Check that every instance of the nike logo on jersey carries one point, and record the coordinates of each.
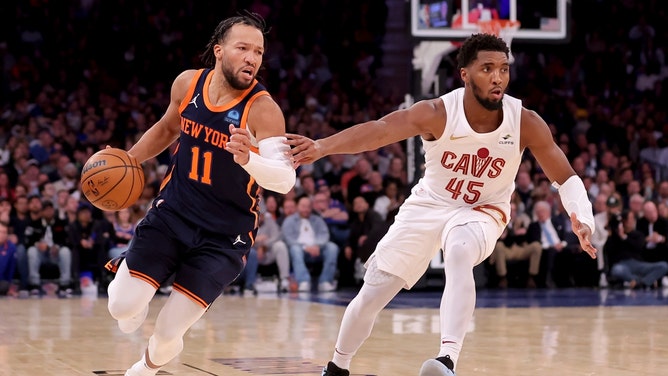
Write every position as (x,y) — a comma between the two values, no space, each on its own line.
(194,101)
(453,137)
(238,241)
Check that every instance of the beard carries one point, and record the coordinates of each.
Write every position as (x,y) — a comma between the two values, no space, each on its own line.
(233,81)
(486,103)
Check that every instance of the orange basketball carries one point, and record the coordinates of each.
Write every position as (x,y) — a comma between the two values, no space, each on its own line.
(112,180)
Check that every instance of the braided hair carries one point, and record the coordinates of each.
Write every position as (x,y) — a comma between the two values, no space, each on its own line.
(246,18)
(468,52)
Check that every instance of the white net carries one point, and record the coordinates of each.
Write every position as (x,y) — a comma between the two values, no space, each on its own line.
(505,29)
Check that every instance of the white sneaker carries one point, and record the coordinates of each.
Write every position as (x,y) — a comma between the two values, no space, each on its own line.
(141,369)
(442,366)
(132,324)
(664,282)
(284,285)
(304,286)
(326,287)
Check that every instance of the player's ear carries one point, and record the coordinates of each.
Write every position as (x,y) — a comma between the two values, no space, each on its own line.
(217,51)
(463,74)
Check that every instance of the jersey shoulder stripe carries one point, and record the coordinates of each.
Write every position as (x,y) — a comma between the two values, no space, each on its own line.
(191,89)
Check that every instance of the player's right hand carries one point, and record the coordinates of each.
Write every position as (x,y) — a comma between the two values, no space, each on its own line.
(239,144)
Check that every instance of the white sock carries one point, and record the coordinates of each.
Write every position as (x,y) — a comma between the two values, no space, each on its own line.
(452,349)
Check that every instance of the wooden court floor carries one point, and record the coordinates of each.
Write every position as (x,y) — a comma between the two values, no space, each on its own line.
(620,334)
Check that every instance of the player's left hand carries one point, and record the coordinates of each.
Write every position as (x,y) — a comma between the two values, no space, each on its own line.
(239,144)
(304,150)
(583,233)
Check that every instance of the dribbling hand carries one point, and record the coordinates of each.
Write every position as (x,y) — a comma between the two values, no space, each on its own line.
(583,233)
(304,150)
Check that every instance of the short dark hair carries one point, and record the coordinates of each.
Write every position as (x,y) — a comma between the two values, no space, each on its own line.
(468,52)
(245,18)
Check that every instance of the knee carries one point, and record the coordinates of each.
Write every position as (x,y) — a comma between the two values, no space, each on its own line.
(617,270)
(120,309)
(331,250)
(279,248)
(296,252)
(32,252)
(664,266)
(64,252)
(460,254)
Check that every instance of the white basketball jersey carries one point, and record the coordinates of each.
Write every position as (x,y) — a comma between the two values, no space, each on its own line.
(466,168)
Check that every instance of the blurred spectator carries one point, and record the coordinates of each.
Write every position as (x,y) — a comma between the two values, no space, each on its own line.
(397,172)
(550,232)
(624,247)
(655,230)
(7,190)
(374,188)
(306,186)
(333,173)
(307,237)
(86,257)
(366,229)
(604,206)
(69,180)
(387,205)
(334,213)
(635,204)
(7,260)
(524,188)
(46,243)
(268,249)
(271,206)
(5,211)
(288,208)
(124,230)
(513,245)
(361,173)
(18,221)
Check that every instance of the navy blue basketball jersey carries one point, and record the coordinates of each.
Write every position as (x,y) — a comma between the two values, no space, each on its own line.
(203,183)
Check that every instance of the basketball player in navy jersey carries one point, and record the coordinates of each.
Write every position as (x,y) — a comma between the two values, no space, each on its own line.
(473,140)
(231,138)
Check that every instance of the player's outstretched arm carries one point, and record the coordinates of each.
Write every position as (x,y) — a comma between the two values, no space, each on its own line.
(426,118)
(537,137)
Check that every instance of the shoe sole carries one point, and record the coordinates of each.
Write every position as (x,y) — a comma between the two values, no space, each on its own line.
(433,367)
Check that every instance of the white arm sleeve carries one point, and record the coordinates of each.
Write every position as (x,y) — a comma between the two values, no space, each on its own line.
(272,168)
(575,200)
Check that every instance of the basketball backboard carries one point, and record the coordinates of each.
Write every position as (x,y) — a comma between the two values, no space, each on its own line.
(456,19)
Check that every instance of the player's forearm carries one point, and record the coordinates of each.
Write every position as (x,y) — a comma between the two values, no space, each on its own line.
(272,169)
(359,138)
(153,142)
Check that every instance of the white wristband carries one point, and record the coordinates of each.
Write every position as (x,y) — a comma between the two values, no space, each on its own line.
(575,200)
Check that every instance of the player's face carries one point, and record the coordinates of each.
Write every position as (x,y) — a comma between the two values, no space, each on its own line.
(488,78)
(241,55)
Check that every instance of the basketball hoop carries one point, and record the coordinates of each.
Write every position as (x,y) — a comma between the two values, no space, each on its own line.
(505,29)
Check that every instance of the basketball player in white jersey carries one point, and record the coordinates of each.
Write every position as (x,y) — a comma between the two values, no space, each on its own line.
(473,140)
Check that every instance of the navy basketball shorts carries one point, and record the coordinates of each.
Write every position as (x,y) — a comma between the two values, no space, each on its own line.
(202,262)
